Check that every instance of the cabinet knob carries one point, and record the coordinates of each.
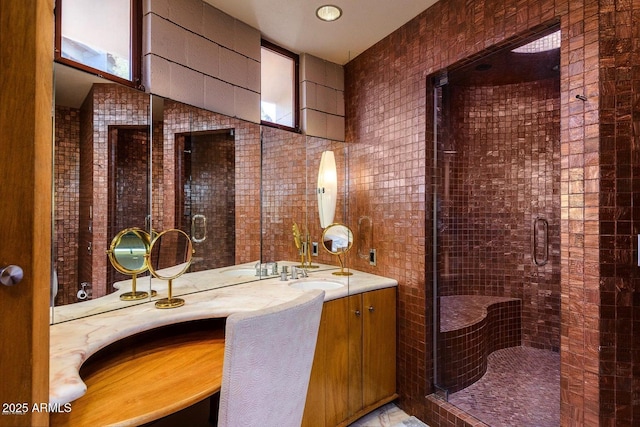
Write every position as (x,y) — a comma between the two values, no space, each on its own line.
(371,309)
(357,313)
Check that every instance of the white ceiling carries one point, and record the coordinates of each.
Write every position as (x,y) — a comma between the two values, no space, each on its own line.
(293,25)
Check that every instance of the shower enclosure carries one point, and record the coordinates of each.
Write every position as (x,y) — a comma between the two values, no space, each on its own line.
(496,227)
(205,202)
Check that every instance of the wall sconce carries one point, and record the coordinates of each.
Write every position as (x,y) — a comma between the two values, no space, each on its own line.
(327,188)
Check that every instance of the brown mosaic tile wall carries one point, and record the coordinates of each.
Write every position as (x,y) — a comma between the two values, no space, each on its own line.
(290,163)
(106,105)
(284,183)
(503,163)
(85,238)
(157,173)
(128,192)
(619,215)
(131,181)
(182,119)
(387,117)
(66,181)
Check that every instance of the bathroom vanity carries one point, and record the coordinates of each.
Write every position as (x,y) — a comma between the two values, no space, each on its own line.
(354,368)
(139,363)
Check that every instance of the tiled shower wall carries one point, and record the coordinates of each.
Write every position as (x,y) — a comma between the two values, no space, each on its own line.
(388,139)
(501,166)
(619,198)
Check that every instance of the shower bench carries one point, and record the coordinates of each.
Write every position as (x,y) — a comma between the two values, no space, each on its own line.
(471,328)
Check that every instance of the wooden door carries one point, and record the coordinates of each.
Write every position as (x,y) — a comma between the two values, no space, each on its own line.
(26,61)
(379,341)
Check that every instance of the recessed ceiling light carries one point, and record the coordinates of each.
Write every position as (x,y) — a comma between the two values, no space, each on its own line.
(328,12)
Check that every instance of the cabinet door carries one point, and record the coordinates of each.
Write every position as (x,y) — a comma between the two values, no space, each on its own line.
(336,361)
(379,338)
(354,385)
(314,409)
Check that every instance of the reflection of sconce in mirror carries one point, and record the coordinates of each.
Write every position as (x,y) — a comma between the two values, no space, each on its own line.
(169,258)
(128,255)
(338,239)
(327,188)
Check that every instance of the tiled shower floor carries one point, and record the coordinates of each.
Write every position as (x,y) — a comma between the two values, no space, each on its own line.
(520,388)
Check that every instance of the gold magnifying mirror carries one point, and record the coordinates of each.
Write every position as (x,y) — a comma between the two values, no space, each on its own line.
(170,256)
(128,255)
(338,240)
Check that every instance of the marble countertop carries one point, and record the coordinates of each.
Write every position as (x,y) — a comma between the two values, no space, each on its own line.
(207,294)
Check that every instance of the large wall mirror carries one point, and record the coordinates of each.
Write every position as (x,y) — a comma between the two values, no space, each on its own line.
(102,185)
(125,158)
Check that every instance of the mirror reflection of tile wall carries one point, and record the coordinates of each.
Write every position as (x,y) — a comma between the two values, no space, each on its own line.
(82,168)
(66,208)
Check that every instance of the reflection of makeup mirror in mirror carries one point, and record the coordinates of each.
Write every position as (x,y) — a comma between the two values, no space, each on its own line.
(128,255)
(170,256)
(327,188)
(338,239)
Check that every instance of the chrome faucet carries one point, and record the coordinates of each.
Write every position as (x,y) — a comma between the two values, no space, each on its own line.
(268,269)
(296,270)
(272,268)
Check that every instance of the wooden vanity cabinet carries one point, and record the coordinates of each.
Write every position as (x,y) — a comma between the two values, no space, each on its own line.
(354,369)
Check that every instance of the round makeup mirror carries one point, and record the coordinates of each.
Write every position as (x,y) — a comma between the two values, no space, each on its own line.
(170,256)
(338,240)
(127,254)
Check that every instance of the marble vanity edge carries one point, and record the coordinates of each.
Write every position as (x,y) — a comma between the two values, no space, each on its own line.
(74,341)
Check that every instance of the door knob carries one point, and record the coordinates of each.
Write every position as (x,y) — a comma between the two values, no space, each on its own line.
(11,275)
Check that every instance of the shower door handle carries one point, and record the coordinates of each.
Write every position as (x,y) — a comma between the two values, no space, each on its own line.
(535,240)
(194,220)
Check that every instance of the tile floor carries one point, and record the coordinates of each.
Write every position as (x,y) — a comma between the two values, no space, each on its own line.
(388,416)
(521,388)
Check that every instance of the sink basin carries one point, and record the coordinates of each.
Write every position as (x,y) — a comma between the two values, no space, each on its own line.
(325,285)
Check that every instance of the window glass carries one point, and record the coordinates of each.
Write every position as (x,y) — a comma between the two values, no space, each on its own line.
(97,34)
(278,88)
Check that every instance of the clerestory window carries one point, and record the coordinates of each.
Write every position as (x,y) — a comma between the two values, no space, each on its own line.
(102,37)
(279,87)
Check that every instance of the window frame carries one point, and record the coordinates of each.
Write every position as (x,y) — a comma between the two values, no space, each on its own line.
(296,86)
(135,28)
